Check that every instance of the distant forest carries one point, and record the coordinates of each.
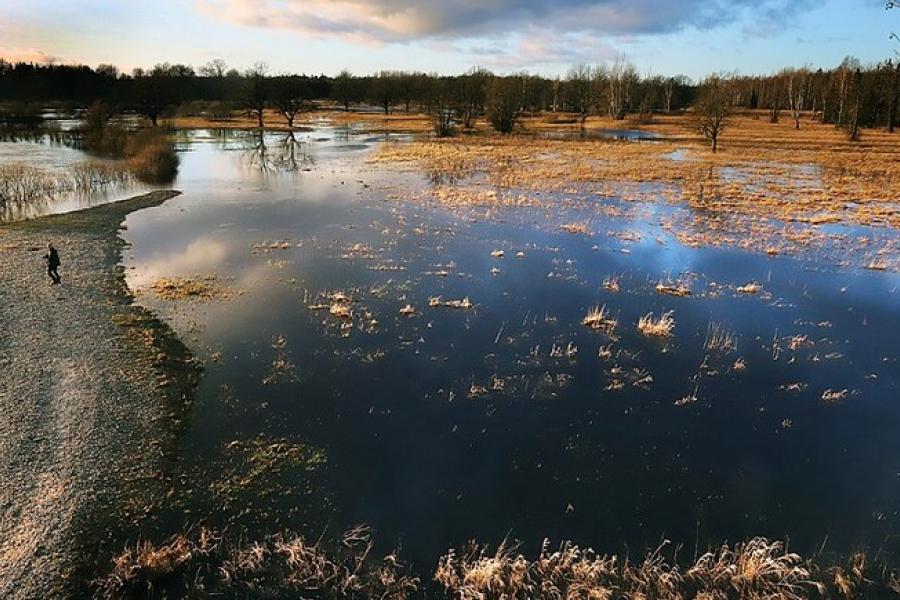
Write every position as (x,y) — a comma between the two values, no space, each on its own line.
(866,94)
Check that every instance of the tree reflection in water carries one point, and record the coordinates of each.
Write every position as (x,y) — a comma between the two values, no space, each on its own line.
(283,153)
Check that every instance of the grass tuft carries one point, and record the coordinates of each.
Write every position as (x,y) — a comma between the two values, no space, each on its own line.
(657,327)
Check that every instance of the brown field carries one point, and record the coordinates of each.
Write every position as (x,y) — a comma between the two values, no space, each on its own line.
(769,188)
(813,175)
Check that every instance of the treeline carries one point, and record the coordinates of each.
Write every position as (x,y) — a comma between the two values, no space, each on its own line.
(851,95)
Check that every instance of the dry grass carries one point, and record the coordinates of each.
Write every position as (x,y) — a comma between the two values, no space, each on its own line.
(340,310)
(677,289)
(661,326)
(831,396)
(20,183)
(463,304)
(770,189)
(598,318)
(150,156)
(719,339)
(200,563)
(611,284)
(282,369)
(756,570)
(581,227)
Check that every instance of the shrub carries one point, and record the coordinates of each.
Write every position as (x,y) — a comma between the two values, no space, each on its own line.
(219,111)
(151,157)
(108,140)
(504,102)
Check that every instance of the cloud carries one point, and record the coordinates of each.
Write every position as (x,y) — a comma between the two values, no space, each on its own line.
(532,49)
(391,21)
(29,55)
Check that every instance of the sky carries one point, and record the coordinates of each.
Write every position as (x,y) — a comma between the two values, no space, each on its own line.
(668,37)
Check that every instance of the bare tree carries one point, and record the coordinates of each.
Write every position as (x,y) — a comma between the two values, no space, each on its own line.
(668,92)
(579,92)
(288,98)
(844,76)
(440,100)
(713,108)
(384,90)
(214,68)
(774,91)
(622,78)
(345,89)
(557,86)
(410,87)
(893,95)
(600,86)
(505,96)
(470,95)
(854,105)
(158,90)
(256,93)
(797,83)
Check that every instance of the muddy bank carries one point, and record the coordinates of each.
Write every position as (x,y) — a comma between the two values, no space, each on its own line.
(92,393)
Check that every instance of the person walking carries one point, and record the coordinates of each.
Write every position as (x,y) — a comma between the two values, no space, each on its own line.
(53,262)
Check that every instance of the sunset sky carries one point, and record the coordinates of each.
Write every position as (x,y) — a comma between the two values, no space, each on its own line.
(693,37)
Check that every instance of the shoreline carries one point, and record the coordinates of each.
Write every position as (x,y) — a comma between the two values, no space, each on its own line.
(94,390)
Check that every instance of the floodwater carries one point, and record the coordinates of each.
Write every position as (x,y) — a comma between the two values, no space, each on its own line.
(605,133)
(510,418)
(57,156)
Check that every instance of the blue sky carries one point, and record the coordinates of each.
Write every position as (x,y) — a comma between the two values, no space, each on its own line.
(693,37)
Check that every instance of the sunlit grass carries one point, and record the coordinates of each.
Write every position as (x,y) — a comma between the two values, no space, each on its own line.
(661,326)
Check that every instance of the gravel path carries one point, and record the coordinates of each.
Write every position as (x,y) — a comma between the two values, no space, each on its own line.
(89,386)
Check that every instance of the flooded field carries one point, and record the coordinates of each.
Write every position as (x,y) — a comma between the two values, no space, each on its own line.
(559,366)
(478,372)
(69,178)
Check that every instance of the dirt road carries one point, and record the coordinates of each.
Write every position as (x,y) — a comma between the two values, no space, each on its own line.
(88,386)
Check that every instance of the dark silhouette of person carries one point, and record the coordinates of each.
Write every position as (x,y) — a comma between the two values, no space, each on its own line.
(53,262)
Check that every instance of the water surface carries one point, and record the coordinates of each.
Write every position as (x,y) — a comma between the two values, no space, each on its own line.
(510,418)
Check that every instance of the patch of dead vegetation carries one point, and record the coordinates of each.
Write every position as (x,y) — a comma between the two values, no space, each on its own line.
(200,288)
(770,190)
(599,319)
(202,563)
(661,326)
(753,570)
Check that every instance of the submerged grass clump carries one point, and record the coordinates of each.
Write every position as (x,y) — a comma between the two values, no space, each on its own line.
(831,396)
(719,339)
(463,304)
(611,284)
(598,318)
(576,227)
(679,290)
(189,288)
(661,326)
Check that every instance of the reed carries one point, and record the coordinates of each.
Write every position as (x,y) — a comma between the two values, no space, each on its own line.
(661,326)
(203,563)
